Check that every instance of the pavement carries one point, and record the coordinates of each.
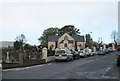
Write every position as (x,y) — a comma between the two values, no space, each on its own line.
(94,67)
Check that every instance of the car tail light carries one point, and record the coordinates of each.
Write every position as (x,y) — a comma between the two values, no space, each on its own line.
(64,55)
(56,55)
(60,55)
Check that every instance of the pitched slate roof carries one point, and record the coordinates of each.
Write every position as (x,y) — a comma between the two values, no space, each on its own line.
(77,38)
(70,41)
(53,38)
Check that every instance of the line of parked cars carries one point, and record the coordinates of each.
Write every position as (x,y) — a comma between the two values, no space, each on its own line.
(85,52)
(70,55)
(102,51)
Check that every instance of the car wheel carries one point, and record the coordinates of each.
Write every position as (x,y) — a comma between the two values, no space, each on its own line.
(118,64)
(85,56)
(75,57)
(72,59)
(56,60)
(68,59)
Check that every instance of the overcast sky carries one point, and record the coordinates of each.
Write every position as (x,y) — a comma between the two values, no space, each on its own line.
(32,17)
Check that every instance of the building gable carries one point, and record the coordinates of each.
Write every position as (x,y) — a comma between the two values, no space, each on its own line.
(64,37)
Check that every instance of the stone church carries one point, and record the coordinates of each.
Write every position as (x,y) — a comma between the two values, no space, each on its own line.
(66,42)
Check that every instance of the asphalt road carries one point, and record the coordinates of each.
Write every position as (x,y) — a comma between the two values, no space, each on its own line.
(95,67)
(0,72)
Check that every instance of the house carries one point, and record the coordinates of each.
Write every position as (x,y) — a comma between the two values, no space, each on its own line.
(66,42)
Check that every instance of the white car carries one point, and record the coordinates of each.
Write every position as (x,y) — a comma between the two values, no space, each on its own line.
(63,55)
(82,53)
(90,52)
(101,52)
(87,51)
(107,50)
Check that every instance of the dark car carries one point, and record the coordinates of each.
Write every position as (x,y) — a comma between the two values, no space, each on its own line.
(76,55)
(118,55)
(118,59)
(118,48)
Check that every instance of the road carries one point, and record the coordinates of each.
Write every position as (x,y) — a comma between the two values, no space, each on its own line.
(0,72)
(95,67)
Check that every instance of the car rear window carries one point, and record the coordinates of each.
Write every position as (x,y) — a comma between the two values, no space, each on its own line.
(60,51)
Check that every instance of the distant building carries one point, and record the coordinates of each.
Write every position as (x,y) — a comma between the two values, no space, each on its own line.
(66,42)
(6,43)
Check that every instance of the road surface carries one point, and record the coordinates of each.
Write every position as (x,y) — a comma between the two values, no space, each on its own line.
(95,67)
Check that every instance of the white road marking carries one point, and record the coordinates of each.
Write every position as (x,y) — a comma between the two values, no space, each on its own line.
(17,69)
(108,68)
(49,64)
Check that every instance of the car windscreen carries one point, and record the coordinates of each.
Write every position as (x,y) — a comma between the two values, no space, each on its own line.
(60,51)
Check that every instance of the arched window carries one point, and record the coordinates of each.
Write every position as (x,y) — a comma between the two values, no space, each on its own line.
(65,45)
(65,38)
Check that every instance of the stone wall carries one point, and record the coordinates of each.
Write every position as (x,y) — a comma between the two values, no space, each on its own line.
(50,59)
(30,62)
(9,65)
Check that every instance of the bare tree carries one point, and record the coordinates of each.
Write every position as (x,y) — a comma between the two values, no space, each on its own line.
(114,36)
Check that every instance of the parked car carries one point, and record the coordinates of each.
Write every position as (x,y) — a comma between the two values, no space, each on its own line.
(76,55)
(110,49)
(63,55)
(90,52)
(101,52)
(118,59)
(87,51)
(107,50)
(82,53)
(118,55)
(118,48)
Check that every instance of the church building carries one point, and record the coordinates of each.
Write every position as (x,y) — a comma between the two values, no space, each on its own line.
(66,42)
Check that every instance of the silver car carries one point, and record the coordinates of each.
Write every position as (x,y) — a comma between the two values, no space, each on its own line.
(101,52)
(87,51)
(63,55)
(82,53)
